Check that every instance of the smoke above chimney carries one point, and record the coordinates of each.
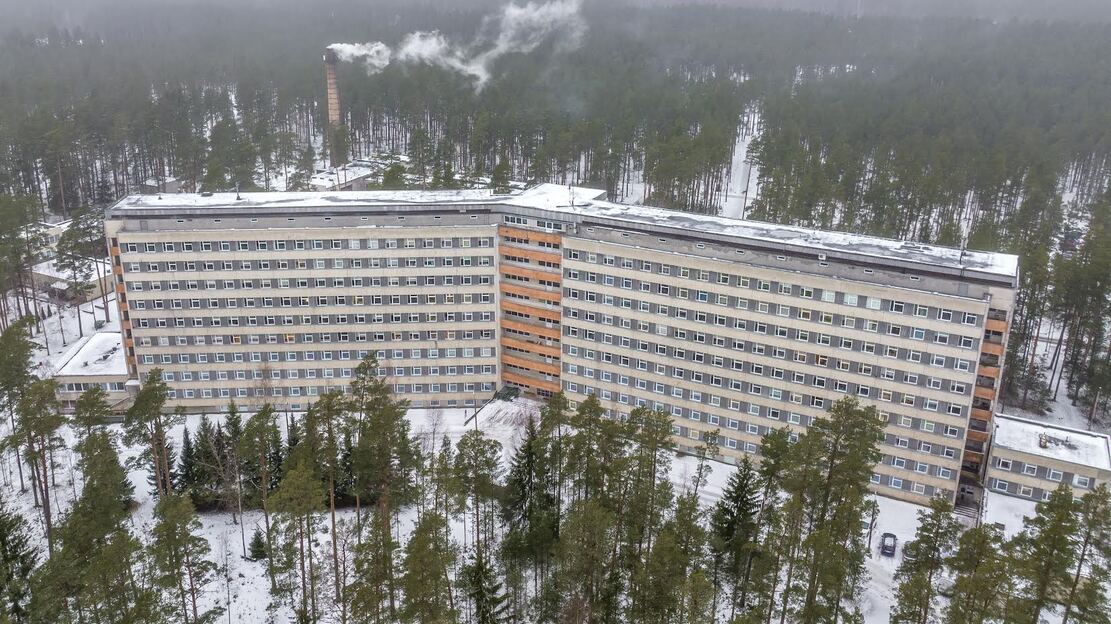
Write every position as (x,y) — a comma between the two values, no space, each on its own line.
(516,29)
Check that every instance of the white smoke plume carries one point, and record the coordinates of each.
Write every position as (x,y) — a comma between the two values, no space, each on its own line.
(374,55)
(517,29)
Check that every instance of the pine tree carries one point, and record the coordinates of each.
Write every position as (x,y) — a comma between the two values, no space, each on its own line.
(1088,596)
(734,532)
(258,548)
(477,468)
(260,446)
(575,587)
(553,421)
(425,582)
(146,424)
(327,419)
(303,170)
(370,592)
(18,557)
(480,580)
(38,418)
(94,571)
(179,556)
(90,410)
(499,178)
(385,458)
(1045,555)
(831,466)
(528,506)
(983,578)
(918,575)
(297,501)
(187,473)
(393,178)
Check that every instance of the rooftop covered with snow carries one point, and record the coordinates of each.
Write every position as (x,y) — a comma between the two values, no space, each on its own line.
(579,205)
(102,354)
(1053,441)
(336,176)
(49,268)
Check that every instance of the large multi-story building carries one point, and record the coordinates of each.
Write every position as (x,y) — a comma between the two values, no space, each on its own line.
(731,326)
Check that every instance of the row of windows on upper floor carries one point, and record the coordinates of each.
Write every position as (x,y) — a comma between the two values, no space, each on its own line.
(921,489)
(435,336)
(848,299)
(1042,472)
(681,387)
(758,430)
(306,320)
(766,353)
(225,303)
(1026,491)
(317,282)
(670,371)
(427,262)
(816,321)
(518,240)
(291,321)
(311,391)
(750,407)
(171,376)
(542,224)
(311,244)
(383,355)
(110,386)
(727,338)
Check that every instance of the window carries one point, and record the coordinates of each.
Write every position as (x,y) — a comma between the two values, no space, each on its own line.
(1003,464)
(1081,481)
(1029,469)
(1055,475)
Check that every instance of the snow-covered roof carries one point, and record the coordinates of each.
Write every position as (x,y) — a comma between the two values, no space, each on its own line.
(1075,446)
(330,178)
(101,355)
(49,269)
(580,205)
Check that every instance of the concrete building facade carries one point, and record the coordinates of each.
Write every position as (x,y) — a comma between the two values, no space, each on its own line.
(731,326)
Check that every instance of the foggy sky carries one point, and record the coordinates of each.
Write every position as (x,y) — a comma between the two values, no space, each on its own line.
(41,14)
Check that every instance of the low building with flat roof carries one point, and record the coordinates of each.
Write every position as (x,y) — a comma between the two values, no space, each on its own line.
(1030,459)
(99,362)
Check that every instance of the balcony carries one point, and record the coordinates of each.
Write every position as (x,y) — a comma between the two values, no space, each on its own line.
(995,326)
(981,414)
(532,327)
(992,348)
(546,367)
(978,436)
(991,361)
(988,371)
(549,349)
(984,393)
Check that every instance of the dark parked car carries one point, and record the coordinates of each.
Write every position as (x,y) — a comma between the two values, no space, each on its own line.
(887,544)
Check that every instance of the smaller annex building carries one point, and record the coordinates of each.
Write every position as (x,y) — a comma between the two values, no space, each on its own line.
(99,362)
(1030,459)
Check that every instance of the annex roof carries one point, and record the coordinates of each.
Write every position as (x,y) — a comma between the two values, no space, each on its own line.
(1053,441)
(101,355)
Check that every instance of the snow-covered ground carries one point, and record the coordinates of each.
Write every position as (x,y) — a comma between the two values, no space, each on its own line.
(247,584)
(1061,411)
